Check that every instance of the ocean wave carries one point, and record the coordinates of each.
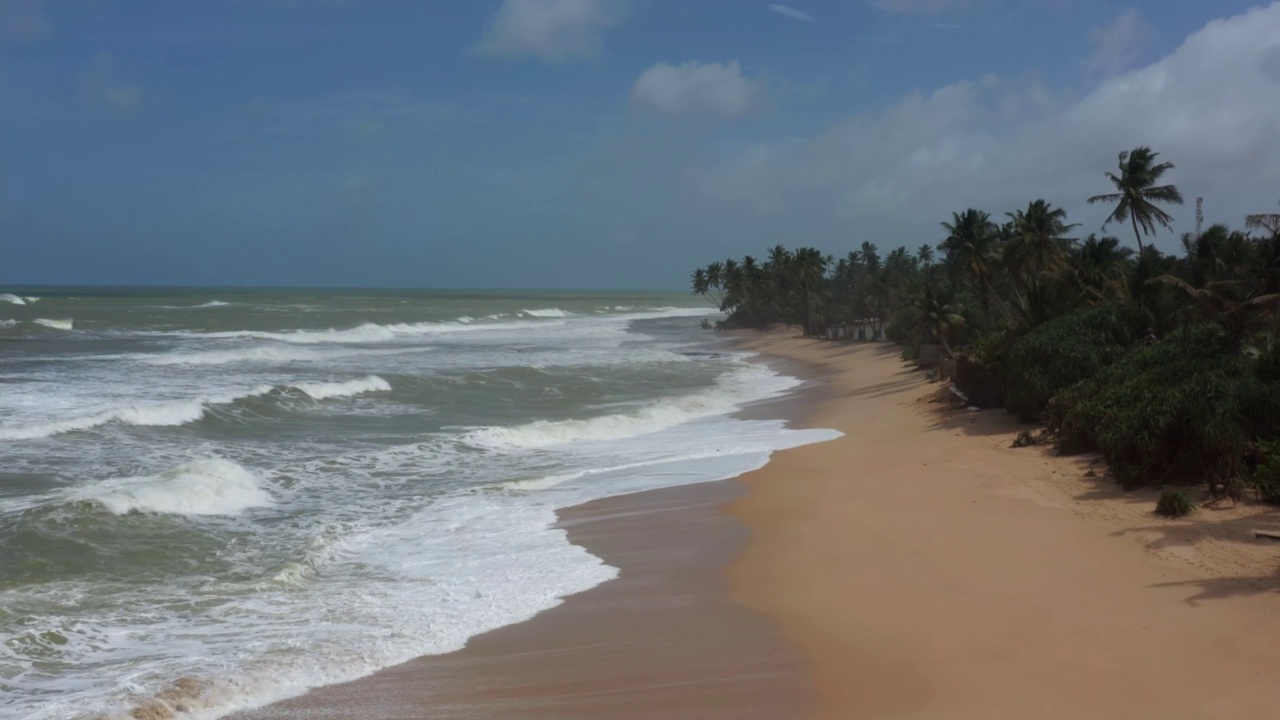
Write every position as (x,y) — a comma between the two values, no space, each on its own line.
(8,323)
(547,313)
(11,298)
(324,391)
(368,333)
(210,304)
(727,396)
(55,324)
(181,412)
(211,486)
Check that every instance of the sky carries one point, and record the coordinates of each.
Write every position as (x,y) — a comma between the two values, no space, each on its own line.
(594,143)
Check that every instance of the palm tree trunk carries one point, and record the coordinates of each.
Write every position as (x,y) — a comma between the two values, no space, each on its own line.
(992,291)
(1134,219)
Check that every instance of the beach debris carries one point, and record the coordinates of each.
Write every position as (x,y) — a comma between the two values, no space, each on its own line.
(1266,535)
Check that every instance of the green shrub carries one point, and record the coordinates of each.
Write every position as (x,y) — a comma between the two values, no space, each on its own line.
(1174,504)
(1187,409)
(1266,472)
(1063,352)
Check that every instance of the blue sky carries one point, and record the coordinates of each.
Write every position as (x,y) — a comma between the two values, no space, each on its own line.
(592,143)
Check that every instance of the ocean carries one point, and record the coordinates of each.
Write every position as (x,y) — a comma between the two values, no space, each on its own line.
(211,499)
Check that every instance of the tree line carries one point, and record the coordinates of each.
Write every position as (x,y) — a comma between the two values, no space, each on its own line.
(1166,363)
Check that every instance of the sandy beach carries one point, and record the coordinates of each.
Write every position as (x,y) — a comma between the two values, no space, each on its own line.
(929,570)
(918,567)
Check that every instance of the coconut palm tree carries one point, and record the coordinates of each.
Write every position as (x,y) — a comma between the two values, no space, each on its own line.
(1229,303)
(1036,244)
(1137,193)
(1098,262)
(939,318)
(925,255)
(1266,223)
(970,247)
(810,271)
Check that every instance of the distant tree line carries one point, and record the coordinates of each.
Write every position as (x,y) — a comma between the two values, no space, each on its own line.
(1167,364)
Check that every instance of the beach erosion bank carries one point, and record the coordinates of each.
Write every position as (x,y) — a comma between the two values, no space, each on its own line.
(917,567)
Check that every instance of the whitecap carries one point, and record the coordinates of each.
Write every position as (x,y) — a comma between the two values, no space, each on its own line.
(211,486)
(55,324)
(11,298)
(547,313)
(326,390)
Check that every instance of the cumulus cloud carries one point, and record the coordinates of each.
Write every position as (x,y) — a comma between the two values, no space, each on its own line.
(100,90)
(1116,44)
(551,29)
(698,88)
(792,13)
(1212,107)
(23,20)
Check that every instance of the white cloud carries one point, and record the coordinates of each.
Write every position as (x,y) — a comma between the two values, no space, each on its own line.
(551,29)
(1117,44)
(698,88)
(23,20)
(1212,107)
(792,12)
(100,90)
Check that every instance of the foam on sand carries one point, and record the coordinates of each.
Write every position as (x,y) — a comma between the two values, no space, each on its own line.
(209,486)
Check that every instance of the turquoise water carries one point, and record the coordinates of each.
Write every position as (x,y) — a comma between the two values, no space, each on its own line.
(213,498)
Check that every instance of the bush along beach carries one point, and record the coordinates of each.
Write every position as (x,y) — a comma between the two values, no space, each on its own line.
(1167,364)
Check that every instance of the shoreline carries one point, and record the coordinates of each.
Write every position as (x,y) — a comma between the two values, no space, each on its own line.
(917,567)
(624,648)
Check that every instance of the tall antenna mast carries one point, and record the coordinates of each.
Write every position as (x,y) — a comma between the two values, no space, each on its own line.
(1199,215)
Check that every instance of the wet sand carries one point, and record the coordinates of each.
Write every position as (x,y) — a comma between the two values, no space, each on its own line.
(664,640)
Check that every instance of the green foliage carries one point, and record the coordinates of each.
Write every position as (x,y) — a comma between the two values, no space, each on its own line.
(1174,504)
(1063,352)
(1186,409)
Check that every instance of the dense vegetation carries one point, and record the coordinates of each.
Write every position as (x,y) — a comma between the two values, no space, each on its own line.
(1167,364)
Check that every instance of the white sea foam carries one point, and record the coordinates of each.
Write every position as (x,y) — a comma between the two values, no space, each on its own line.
(181,412)
(547,313)
(11,298)
(31,299)
(55,324)
(368,333)
(750,383)
(211,486)
(8,323)
(326,390)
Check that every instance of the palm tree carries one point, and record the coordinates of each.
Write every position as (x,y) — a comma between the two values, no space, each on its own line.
(925,255)
(1098,262)
(939,318)
(1036,245)
(970,246)
(1137,193)
(810,269)
(1268,223)
(1227,302)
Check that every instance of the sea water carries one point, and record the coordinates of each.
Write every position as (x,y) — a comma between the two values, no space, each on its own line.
(212,499)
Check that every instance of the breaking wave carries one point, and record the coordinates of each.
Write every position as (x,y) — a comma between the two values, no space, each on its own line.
(11,298)
(726,397)
(203,487)
(181,412)
(55,324)
(547,313)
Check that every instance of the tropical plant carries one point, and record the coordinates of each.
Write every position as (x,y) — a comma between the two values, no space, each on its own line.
(1137,193)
